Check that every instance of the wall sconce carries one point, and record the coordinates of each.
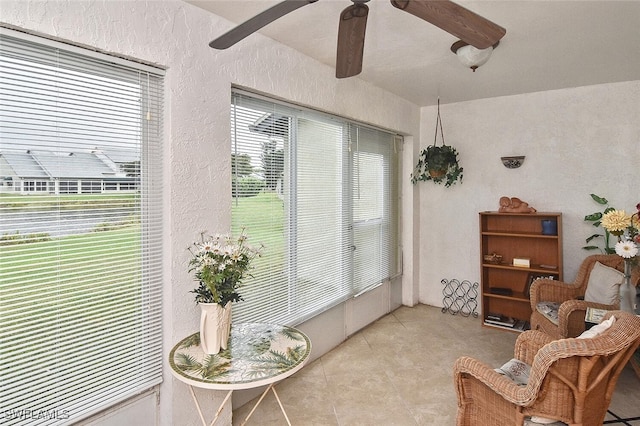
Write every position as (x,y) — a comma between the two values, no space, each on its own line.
(512,162)
(470,56)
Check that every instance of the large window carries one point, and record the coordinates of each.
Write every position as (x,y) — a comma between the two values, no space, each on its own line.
(320,193)
(80,281)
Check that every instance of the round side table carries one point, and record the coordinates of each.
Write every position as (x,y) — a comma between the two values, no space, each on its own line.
(257,354)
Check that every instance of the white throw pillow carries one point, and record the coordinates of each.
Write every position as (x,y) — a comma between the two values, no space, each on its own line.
(604,285)
(598,329)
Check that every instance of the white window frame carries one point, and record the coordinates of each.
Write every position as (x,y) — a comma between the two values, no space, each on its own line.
(349,263)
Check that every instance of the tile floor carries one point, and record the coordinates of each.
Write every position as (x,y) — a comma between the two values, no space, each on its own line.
(398,371)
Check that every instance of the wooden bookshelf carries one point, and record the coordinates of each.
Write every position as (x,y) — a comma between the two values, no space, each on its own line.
(516,235)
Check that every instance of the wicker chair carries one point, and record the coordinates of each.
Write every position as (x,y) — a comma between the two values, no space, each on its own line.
(572,310)
(571,380)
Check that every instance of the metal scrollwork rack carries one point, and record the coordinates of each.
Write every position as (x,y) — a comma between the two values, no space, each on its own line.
(460,297)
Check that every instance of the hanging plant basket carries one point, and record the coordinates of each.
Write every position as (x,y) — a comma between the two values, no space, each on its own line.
(437,173)
(438,163)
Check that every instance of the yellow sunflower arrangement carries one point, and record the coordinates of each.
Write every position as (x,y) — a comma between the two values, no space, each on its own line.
(627,228)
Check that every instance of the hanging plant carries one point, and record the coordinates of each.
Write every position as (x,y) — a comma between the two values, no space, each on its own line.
(438,163)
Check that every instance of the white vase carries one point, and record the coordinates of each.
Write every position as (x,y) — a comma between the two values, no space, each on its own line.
(215,327)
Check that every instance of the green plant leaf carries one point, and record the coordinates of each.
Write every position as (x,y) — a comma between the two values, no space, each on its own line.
(596,219)
(593,216)
(592,237)
(599,200)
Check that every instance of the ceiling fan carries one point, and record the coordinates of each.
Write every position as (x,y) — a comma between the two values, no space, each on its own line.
(468,26)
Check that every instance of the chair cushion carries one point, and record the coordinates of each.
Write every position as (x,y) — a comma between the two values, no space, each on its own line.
(597,329)
(519,371)
(535,420)
(549,310)
(516,370)
(604,285)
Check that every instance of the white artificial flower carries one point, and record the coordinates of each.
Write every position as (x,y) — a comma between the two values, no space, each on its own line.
(205,246)
(626,249)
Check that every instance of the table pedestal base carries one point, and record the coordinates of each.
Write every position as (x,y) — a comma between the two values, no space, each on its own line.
(271,387)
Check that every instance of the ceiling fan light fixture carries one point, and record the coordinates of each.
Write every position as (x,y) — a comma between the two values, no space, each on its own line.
(470,56)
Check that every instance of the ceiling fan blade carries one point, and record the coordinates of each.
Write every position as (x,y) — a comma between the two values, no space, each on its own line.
(455,19)
(247,28)
(351,32)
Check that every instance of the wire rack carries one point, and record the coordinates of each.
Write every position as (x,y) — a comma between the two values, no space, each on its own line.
(460,297)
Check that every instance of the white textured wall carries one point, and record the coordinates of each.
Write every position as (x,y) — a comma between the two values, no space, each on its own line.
(576,141)
(198,81)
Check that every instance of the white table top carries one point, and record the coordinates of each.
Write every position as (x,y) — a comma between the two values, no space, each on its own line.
(257,354)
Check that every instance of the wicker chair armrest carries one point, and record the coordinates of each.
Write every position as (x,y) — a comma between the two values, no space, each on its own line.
(529,343)
(571,316)
(483,374)
(546,290)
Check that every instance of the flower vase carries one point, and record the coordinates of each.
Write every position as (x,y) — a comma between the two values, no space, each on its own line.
(215,327)
(627,290)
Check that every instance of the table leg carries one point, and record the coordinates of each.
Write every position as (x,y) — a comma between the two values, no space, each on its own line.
(257,403)
(226,398)
(215,419)
(271,387)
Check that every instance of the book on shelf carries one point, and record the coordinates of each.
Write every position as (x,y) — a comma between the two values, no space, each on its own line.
(517,325)
(494,316)
(522,325)
(503,321)
(501,291)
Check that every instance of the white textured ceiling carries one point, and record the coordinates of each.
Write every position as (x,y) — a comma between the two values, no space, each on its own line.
(549,45)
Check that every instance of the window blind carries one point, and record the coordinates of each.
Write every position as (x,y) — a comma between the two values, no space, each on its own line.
(320,193)
(80,230)
(374,198)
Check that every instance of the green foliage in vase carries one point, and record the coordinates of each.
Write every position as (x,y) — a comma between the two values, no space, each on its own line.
(220,263)
(596,219)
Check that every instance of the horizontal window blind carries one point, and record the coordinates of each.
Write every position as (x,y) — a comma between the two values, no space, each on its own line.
(80,230)
(374,198)
(319,193)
